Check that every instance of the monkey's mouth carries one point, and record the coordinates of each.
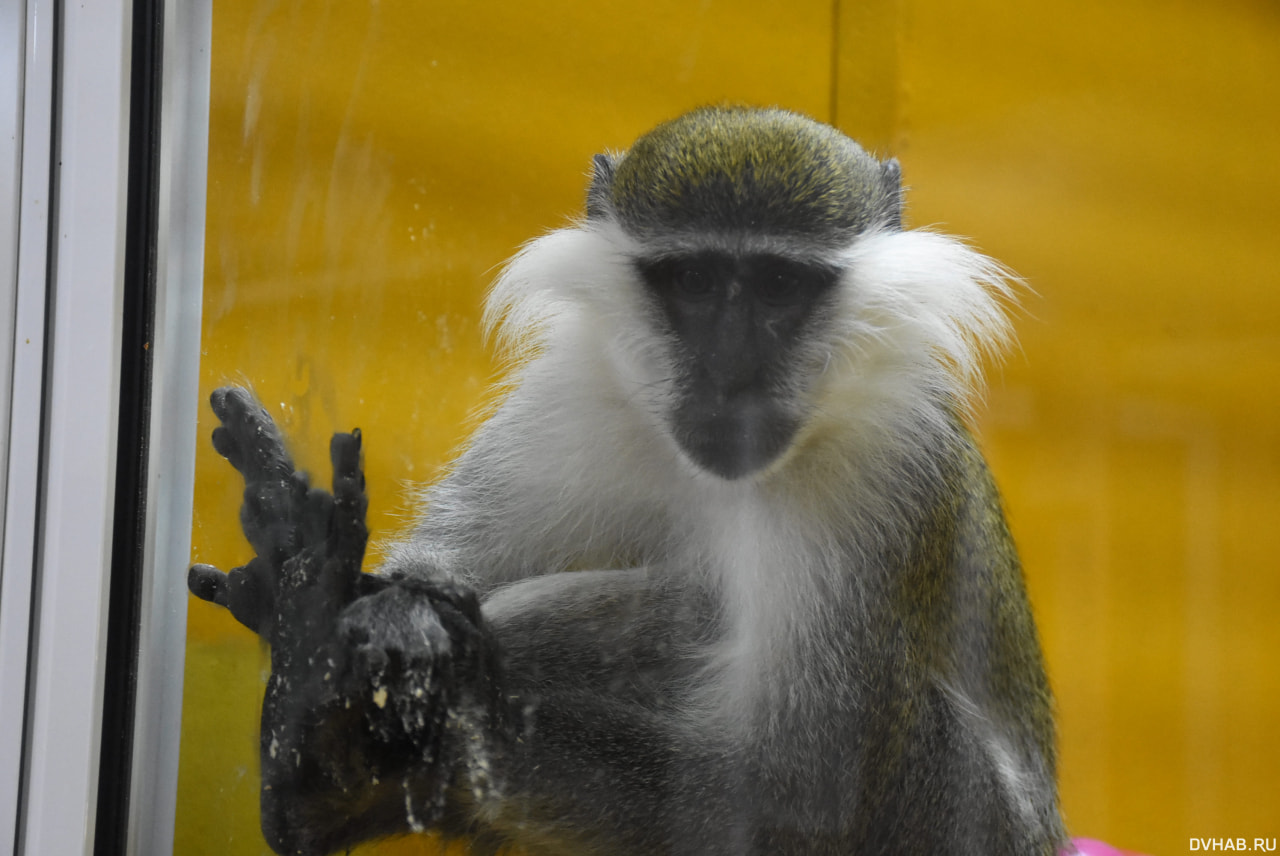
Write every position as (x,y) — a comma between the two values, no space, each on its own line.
(736,438)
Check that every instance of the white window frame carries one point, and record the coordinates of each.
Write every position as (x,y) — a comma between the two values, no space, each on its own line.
(64,125)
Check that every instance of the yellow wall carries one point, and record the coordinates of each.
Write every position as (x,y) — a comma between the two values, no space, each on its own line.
(371,163)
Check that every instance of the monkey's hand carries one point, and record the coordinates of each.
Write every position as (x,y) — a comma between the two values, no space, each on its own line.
(373,679)
(309,544)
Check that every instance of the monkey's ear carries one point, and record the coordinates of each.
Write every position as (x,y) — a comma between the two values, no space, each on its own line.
(600,193)
(891,182)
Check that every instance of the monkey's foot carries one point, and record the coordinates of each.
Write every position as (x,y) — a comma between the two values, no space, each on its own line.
(369,734)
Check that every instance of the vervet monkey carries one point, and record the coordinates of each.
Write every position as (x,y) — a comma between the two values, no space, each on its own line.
(724,572)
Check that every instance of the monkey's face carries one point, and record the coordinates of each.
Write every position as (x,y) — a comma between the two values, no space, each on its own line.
(737,322)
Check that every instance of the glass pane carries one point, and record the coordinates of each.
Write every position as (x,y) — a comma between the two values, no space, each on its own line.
(370,166)
(1137,463)
(373,164)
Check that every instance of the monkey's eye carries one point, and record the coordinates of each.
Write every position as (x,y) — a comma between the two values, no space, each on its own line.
(780,287)
(692,283)
(779,282)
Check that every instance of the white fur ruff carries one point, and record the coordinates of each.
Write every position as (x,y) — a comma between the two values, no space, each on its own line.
(896,360)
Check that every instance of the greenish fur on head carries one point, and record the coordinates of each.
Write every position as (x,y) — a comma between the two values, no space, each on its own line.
(742,170)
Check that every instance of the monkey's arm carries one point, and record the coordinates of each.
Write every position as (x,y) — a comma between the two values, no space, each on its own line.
(388,709)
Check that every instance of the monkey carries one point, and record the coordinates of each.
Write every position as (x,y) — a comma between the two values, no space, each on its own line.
(724,572)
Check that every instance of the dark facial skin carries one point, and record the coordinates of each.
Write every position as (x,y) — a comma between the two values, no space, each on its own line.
(737,321)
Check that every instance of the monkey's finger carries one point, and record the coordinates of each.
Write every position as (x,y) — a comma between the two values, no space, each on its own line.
(344,455)
(251,595)
(248,437)
(255,458)
(241,591)
(335,585)
(208,583)
(271,515)
(350,502)
(462,600)
(316,515)
(473,658)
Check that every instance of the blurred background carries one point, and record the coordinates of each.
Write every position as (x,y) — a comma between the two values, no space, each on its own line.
(372,163)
